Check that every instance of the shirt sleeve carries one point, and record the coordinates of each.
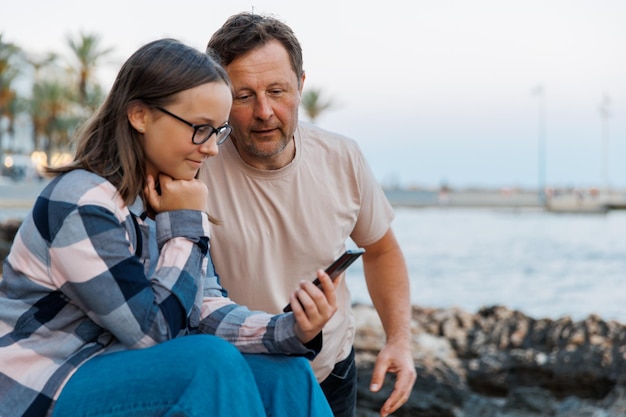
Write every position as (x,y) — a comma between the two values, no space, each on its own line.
(250,331)
(376,213)
(254,331)
(92,259)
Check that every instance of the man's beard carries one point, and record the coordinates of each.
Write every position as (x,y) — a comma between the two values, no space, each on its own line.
(252,147)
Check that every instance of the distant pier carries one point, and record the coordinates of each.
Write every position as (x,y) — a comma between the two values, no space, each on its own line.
(557,201)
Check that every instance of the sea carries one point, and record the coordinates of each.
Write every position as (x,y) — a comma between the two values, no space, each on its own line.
(546,265)
(543,264)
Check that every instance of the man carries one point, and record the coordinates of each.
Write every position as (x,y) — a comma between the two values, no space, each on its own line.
(290,195)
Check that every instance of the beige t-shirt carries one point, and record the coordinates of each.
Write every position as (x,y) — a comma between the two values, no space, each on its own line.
(280,226)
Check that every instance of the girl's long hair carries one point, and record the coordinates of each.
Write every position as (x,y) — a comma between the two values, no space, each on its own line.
(107,144)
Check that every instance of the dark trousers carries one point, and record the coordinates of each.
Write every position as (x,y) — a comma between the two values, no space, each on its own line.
(340,387)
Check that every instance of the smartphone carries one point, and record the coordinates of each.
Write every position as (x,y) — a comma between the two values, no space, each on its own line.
(337,267)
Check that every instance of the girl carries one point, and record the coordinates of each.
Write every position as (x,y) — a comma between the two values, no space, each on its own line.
(111,268)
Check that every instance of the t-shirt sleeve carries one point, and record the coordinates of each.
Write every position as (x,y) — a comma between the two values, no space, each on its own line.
(375,214)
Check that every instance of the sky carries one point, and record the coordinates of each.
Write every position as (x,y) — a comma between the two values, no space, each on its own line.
(486,93)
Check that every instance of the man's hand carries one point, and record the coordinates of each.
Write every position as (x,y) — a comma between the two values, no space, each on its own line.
(388,284)
(394,357)
(313,307)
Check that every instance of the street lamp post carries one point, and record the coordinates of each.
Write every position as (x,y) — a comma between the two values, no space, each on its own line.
(540,93)
(605,114)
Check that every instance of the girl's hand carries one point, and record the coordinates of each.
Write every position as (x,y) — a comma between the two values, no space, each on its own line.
(313,307)
(176,194)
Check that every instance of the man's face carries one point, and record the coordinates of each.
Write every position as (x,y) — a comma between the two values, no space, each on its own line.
(266,97)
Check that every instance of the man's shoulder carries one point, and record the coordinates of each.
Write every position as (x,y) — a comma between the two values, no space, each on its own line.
(314,134)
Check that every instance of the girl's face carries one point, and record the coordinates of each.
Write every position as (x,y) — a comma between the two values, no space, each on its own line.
(167,140)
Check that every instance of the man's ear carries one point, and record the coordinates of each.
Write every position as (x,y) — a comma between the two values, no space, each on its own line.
(137,114)
(302,82)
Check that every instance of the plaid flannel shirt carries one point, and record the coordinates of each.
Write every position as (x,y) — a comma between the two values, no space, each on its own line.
(80,281)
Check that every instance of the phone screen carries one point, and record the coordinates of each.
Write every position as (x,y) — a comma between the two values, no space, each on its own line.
(337,267)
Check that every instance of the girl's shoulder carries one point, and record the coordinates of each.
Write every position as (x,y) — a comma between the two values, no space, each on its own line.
(80,187)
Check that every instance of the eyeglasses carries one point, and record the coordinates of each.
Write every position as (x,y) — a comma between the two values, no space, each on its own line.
(202,133)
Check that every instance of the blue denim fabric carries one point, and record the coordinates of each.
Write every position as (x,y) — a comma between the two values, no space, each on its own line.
(340,387)
(191,376)
(288,386)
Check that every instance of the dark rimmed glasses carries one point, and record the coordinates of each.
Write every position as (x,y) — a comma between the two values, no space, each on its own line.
(203,132)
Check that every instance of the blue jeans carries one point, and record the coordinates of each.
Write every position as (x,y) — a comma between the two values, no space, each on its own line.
(192,376)
(340,387)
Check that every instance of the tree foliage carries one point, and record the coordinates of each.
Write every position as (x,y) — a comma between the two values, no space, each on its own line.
(314,103)
(61,94)
(88,54)
(9,70)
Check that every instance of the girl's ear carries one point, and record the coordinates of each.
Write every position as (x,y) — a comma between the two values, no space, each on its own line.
(138,116)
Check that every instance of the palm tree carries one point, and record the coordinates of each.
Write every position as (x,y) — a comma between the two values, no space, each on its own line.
(52,113)
(9,54)
(41,62)
(313,103)
(8,99)
(88,53)
(38,63)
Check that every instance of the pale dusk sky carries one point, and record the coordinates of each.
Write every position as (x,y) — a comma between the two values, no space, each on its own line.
(433,91)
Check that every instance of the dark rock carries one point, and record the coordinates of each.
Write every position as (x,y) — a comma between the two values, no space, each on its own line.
(8,229)
(528,401)
(442,392)
(502,363)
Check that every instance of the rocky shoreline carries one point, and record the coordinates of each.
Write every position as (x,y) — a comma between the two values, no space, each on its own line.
(501,363)
(495,362)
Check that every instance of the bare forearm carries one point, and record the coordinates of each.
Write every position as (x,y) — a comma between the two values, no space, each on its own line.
(388,284)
